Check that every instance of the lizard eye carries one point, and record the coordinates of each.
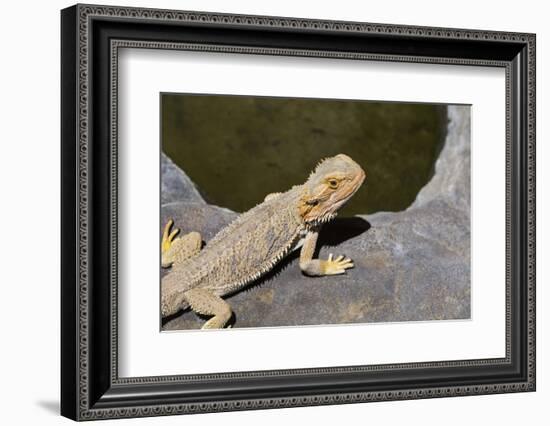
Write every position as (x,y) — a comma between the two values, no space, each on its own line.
(333,183)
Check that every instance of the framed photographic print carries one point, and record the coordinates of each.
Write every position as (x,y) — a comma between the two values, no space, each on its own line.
(263,212)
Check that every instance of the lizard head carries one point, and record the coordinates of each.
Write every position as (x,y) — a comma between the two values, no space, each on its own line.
(329,187)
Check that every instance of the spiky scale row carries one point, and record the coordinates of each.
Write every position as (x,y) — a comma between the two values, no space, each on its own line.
(252,245)
(241,252)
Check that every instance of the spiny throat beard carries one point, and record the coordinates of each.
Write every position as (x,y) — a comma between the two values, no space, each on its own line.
(313,220)
(327,217)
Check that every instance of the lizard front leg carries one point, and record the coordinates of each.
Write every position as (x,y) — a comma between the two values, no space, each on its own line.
(176,249)
(205,302)
(317,267)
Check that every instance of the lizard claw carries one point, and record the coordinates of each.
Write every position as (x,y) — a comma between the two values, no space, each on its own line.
(338,265)
(168,237)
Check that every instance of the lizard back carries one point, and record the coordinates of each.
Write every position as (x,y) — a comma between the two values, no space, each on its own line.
(241,252)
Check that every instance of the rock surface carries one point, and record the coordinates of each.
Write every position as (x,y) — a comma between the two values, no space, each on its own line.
(412,265)
(451,181)
(176,185)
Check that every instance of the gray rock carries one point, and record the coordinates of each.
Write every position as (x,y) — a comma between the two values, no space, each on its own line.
(409,266)
(175,184)
(451,181)
(202,217)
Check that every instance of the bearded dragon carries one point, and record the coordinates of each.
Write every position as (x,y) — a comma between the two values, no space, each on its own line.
(255,242)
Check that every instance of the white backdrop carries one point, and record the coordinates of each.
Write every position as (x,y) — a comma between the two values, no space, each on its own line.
(29,225)
(141,344)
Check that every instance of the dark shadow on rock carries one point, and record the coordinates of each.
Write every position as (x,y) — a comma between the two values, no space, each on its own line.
(342,229)
(169,318)
(232,320)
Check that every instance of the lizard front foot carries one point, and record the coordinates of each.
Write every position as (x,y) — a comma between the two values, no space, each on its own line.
(331,266)
(336,266)
(176,249)
(168,237)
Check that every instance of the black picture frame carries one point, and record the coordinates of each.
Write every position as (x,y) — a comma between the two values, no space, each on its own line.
(90,386)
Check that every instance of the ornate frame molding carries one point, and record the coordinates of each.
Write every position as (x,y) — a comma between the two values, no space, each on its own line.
(91,399)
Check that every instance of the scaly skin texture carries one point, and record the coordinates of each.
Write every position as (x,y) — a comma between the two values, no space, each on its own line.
(255,242)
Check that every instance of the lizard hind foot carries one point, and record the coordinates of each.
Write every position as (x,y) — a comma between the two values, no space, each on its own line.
(205,302)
